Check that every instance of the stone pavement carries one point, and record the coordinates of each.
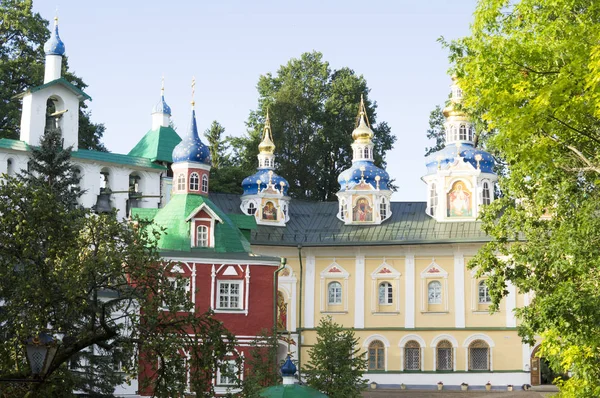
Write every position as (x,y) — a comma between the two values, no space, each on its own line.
(454,394)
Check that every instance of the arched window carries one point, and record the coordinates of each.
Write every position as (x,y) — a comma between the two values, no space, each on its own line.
(383,209)
(471,133)
(433,199)
(181,182)
(444,356)
(202,236)
(251,209)
(463,132)
(479,355)
(386,293)
(194,181)
(376,355)
(486,194)
(434,292)
(204,183)
(343,209)
(334,290)
(366,152)
(484,293)
(10,167)
(412,356)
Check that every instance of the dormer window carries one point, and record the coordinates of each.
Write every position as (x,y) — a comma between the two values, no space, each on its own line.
(486,194)
(366,152)
(463,132)
(204,183)
(201,236)
(251,209)
(383,209)
(181,182)
(433,200)
(194,182)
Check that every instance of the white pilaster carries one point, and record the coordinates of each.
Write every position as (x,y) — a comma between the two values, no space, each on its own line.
(294,305)
(359,292)
(159,119)
(309,296)
(213,276)
(526,353)
(459,290)
(511,303)
(409,288)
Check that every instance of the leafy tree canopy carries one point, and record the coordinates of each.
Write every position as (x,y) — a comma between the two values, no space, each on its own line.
(313,111)
(531,70)
(22,37)
(98,282)
(225,175)
(436,130)
(336,364)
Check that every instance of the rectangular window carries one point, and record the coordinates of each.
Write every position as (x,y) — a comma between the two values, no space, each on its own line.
(479,358)
(228,378)
(412,360)
(176,284)
(444,359)
(230,295)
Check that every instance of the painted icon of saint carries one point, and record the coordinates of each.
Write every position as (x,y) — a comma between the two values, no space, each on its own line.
(459,201)
(362,212)
(269,212)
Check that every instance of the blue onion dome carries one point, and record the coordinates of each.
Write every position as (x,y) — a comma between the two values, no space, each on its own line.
(162,107)
(54,46)
(363,169)
(191,148)
(446,157)
(266,177)
(288,369)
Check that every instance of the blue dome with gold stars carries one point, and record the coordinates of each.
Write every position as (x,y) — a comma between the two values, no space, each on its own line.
(162,107)
(350,178)
(251,187)
(191,148)
(54,46)
(468,153)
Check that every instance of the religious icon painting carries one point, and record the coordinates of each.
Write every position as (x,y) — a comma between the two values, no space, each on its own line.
(459,200)
(362,212)
(269,212)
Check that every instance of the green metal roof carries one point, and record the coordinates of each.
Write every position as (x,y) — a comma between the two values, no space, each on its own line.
(276,261)
(7,143)
(243,221)
(62,81)
(291,391)
(316,224)
(157,145)
(172,217)
(117,158)
(144,214)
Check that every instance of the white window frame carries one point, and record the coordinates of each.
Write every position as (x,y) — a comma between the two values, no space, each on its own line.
(204,183)
(486,292)
(437,298)
(433,199)
(385,273)
(173,282)
(334,273)
(429,274)
(383,209)
(486,194)
(202,231)
(338,295)
(181,182)
(240,295)
(228,382)
(251,210)
(194,181)
(388,296)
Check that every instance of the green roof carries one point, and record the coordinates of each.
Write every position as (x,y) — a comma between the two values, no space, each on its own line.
(172,217)
(243,221)
(144,214)
(291,391)
(7,143)
(118,158)
(157,145)
(62,81)
(316,224)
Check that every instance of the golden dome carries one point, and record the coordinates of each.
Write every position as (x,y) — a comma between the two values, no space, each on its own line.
(362,132)
(267,146)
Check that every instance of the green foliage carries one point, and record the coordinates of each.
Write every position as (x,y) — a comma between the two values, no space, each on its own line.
(225,176)
(436,130)
(98,281)
(336,363)
(22,37)
(529,71)
(313,112)
(214,135)
(261,367)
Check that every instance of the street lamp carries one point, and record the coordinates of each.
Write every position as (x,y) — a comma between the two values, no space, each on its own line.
(41,350)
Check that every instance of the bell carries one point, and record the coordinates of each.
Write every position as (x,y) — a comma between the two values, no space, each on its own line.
(103,203)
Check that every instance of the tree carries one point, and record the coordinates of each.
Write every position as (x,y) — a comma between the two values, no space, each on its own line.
(336,365)
(436,130)
(530,70)
(313,111)
(100,283)
(214,135)
(262,369)
(22,37)
(225,176)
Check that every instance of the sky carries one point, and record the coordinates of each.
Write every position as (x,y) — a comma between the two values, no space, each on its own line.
(122,49)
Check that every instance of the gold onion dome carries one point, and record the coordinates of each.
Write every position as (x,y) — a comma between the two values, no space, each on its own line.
(362,132)
(266,145)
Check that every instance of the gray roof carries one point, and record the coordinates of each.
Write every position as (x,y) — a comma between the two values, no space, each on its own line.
(316,224)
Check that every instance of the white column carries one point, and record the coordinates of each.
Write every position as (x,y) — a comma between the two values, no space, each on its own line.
(511,303)
(52,68)
(459,290)
(409,288)
(309,296)
(526,356)
(293,305)
(213,276)
(359,292)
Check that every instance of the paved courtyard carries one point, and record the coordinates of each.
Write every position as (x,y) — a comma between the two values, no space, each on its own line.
(456,394)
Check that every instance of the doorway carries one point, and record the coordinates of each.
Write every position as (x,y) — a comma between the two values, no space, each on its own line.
(541,372)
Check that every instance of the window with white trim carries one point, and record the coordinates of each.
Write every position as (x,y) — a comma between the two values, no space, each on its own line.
(471,133)
(434,292)
(251,209)
(376,355)
(194,181)
(386,293)
(230,295)
(444,356)
(181,182)
(229,377)
(204,183)
(486,194)
(412,356)
(479,355)
(178,284)
(10,168)
(484,293)
(201,236)
(433,199)
(383,209)
(463,132)
(334,293)
(366,153)
(343,209)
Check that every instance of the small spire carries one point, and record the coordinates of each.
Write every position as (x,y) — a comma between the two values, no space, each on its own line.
(267,146)
(162,86)
(362,112)
(193,92)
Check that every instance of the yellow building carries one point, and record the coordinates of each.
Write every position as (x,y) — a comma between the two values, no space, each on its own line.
(395,272)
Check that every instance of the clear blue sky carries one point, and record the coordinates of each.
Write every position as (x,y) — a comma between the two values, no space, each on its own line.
(122,48)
